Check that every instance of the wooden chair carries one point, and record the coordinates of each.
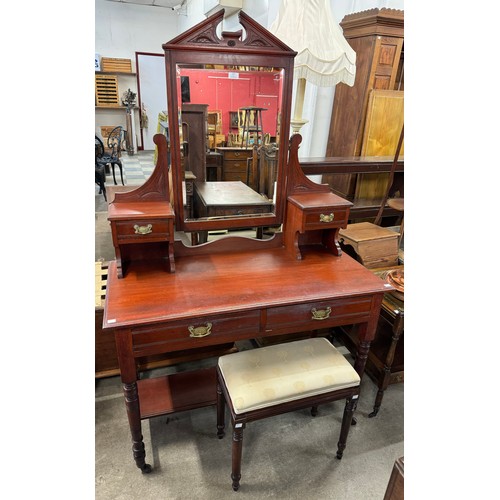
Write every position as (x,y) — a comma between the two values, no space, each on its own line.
(214,127)
(276,379)
(113,154)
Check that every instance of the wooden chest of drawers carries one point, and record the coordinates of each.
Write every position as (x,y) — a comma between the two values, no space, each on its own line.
(234,165)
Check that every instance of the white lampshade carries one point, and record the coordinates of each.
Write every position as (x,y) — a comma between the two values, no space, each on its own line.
(324,58)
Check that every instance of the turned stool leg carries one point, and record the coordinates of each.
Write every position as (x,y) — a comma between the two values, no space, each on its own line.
(220,412)
(237,449)
(350,407)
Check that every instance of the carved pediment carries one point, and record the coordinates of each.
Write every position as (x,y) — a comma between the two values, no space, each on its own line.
(204,34)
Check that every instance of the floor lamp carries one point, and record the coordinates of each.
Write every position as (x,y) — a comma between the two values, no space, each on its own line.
(324,58)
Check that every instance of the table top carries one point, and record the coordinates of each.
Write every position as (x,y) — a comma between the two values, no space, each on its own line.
(136,209)
(234,148)
(232,282)
(228,193)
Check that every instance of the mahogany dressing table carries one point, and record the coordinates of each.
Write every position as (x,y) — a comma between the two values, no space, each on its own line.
(234,288)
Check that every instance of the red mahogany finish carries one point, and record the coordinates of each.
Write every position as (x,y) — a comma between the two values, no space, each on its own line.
(233,288)
(151,312)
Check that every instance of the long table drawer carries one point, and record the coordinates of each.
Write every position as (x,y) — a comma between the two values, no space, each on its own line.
(198,332)
(315,315)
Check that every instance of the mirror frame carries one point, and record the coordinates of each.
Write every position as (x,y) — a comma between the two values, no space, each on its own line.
(202,45)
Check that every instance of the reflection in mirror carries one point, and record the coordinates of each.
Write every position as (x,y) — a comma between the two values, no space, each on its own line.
(233,91)
(229,115)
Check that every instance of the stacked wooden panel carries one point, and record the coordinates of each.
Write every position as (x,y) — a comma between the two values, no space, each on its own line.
(115,65)
(106,90)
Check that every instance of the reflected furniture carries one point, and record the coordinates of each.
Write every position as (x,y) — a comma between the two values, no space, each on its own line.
(234,164)
(214,166)
(223,199)
(278,379)
(195,118)
(250,130)
(214,128)
(234,288)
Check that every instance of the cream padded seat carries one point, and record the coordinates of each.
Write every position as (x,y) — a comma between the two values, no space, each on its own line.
(272,380)
(276,374)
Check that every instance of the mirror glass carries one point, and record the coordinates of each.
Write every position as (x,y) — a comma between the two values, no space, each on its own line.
(229,131)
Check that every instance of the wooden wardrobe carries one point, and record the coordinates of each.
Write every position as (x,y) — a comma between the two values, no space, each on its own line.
(377,36)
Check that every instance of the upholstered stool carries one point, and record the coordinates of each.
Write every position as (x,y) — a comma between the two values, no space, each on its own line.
(280,378)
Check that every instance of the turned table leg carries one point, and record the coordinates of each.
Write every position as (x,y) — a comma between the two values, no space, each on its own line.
(397,330)
(134,420)
(128,373)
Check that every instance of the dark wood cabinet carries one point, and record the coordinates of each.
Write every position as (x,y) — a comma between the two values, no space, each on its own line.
(377,36)
(235,165)
(195,116)
(214,166)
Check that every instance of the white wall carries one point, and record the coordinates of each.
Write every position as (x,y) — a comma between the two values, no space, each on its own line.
(122,29)
(318,101)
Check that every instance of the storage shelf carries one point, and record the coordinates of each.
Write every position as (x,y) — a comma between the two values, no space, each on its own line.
(177,392)
(115,73)
(115,107)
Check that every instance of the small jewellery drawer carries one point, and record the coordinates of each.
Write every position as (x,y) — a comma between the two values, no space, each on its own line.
(315,315)
(143,230)
(196,332)
(321,219)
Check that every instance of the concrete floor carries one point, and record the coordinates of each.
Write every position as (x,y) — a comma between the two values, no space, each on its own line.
(290,456)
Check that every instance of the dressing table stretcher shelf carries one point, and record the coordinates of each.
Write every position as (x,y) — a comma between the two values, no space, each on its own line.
(177,392)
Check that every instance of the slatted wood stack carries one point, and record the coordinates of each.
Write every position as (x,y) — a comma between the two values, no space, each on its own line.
(106,91)
(115,65)
(101,278)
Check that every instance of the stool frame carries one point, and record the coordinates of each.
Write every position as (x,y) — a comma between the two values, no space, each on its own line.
(239,420)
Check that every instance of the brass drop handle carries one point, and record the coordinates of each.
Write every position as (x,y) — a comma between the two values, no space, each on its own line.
(143,229)
(326,218)
(200,331)
(321,313)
